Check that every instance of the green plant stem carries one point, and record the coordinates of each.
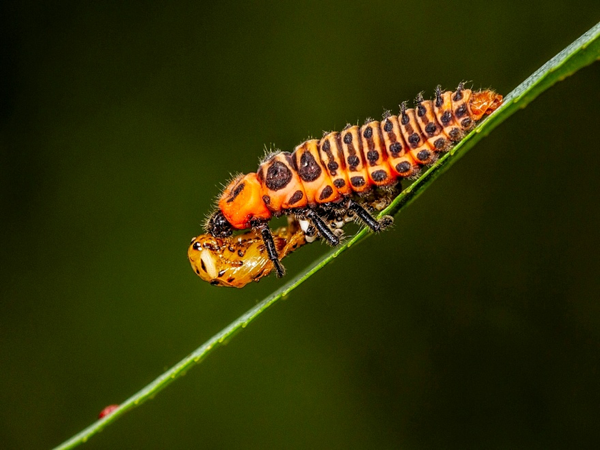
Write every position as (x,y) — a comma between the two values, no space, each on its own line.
(579,54)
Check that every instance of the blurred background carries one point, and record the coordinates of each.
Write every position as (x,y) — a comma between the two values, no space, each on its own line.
(474,323)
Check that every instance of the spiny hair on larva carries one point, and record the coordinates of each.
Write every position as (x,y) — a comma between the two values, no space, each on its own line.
(268,153)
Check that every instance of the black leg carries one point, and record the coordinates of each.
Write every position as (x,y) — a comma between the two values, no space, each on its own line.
(322,227)
(364,216)
(267,238)
(367,218)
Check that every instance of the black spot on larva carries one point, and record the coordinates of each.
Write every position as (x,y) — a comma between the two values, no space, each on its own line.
(446,118)
(421,110)
(389,126)
(405,119)
(379,175)
(368,133)
(326,193)
(230,279)
(458,95)
(395,148)
(423,155)
(348,138)
(202,264)
(430,128)
(309,169)
(240,253)
(439,143)
(403,167)
(221,273)
(231,248)
(326,146)
(461,111)
(353,161)
(278,176)
(239,188)
(197,271)
(296,197)
(266,199)
(454,134)
(197,246)
(215,282)
(466,123)
(357,181)
(414,139)
(333,166)
(339,183)
(372,156)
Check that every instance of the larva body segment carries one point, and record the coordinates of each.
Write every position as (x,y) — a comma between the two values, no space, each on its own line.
(317,184)
(282,188)
(433,131)
(243,201)
(399,160)
(445,115)
(354,158)
(330,151)
(380,173)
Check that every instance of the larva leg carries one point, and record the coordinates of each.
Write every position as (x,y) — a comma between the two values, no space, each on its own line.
(368,219)
(267,238)
(322,228)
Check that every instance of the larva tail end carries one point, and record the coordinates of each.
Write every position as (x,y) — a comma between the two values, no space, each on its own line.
(485,102)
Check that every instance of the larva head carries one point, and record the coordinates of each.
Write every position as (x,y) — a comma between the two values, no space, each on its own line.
(239,204)
(483,103)
(218,226)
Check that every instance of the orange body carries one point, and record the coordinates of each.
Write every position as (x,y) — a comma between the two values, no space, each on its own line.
(399,159)
(419,150)
(356,159)
(241,202)
(316,181)
(330,152)
(281,187)
(444,114)
(380,173)
(431,129)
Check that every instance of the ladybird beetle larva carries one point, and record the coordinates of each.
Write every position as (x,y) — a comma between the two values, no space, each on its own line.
(331,176)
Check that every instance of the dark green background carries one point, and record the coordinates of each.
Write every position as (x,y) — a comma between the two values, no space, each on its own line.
(474,323)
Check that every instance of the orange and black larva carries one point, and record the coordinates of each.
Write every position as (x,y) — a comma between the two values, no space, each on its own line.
(329,176)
